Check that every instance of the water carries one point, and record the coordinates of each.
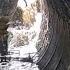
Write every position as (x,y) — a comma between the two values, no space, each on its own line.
(22,44)
(22,40)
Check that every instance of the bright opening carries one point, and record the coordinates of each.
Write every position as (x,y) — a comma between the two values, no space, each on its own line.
(24,30)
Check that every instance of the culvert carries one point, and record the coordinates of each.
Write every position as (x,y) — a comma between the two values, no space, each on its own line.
(54,54)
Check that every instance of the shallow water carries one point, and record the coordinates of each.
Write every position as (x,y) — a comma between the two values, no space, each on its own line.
(25,56)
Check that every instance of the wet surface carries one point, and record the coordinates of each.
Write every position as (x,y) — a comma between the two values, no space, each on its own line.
(17,63)
(22,56)
(22,40)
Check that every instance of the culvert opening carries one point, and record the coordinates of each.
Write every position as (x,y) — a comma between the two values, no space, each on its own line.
(27,29)
(28,24)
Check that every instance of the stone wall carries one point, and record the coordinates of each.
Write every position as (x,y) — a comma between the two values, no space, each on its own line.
(7,8)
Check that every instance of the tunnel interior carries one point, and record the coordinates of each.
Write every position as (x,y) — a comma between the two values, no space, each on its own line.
(54,31)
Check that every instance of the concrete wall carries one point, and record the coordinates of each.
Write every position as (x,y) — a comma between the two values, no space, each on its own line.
(57,55)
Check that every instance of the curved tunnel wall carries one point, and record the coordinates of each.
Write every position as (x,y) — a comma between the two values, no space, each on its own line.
(57,56)
(59,14)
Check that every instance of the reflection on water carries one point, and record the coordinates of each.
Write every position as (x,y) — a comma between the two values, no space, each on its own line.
(22,51)
(22,57)
(18,65)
